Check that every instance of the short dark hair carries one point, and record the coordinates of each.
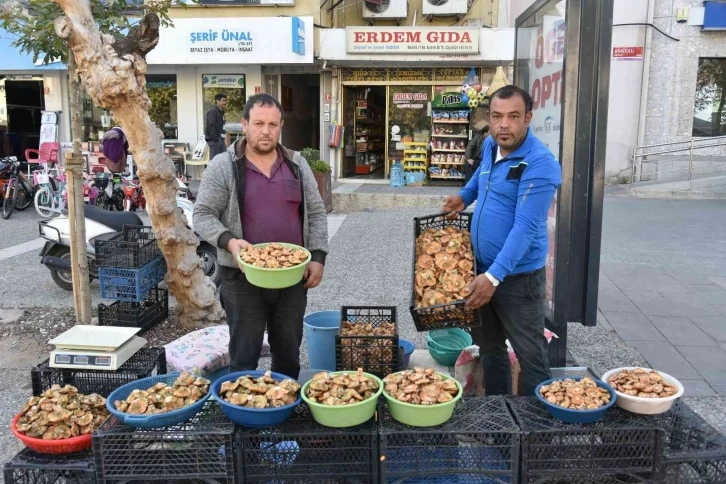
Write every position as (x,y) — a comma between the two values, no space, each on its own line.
(219,97)
(508,92)
(261,100)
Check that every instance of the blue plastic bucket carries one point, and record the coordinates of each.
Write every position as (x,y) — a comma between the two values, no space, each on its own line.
(408,348)
(320,330)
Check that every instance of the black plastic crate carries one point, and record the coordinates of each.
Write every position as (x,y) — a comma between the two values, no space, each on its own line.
(132,248)
(29,467)
(621,443)
(146,362)
(596,479)
(145,315)
(200,449)
(479,444)
(378,355)
(302,451)
(694,452)
(451,315)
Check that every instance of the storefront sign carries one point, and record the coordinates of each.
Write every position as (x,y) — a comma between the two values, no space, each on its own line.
(410,74)
(409,40)
(628,53)
(235,41)
(365,75)
(454,74)
(251,3)
(380,74)
(230,82)
(410,100)
(448,99)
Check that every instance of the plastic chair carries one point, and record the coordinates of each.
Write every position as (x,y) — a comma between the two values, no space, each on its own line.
(48,153)
(200,156)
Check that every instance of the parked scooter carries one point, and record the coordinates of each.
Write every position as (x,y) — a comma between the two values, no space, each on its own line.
(104,225)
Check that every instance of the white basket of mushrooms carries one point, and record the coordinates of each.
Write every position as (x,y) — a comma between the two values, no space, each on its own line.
(643,390)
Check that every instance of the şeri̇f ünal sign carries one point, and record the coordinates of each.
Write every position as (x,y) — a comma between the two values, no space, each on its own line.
(412,40)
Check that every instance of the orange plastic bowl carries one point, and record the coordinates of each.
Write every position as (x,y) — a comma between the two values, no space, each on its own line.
(65,446)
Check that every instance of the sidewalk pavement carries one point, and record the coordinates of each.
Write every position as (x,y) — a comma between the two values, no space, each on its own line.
(663,286)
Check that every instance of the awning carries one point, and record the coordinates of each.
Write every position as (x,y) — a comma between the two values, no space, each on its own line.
(14,60)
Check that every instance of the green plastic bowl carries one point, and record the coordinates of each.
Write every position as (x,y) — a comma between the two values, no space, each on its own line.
(423,415)
(275,278)
(449,339)
(344,415)
(444,357)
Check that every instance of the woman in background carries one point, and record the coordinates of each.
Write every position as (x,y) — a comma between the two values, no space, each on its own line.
(473,149)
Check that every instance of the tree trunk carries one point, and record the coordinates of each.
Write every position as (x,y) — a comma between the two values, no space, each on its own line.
(76,215)
(119,84)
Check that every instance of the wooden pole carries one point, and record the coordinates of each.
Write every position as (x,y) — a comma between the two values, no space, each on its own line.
(76,216)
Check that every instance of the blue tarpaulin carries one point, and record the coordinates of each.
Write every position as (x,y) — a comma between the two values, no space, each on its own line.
(14,60)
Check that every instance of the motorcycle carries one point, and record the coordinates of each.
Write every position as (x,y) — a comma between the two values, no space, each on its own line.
(110,192)
(104,225)
(134,196)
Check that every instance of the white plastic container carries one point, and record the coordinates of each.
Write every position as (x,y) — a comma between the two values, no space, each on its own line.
(640,405)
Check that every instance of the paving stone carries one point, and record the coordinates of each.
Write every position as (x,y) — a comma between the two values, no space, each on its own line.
(661,283)
(10,316)
(712,294)
(720,281)
(665,357)
(610,298)
(710,362)
(713,325)
(633,326)
(720,388)
(683,304)
(681,331)
(690,277)
(696,388)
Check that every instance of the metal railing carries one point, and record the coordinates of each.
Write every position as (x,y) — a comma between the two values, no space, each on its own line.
(641,164)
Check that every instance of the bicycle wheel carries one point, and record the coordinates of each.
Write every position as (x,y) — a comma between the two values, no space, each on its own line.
(44,203)
(9,200)
(25,197)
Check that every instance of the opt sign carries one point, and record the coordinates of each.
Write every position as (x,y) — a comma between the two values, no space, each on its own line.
(627,53)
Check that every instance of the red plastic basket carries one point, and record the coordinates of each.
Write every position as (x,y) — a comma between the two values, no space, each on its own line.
(65,446)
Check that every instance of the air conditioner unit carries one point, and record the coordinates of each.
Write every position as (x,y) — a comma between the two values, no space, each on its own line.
(385,9)
(445,7)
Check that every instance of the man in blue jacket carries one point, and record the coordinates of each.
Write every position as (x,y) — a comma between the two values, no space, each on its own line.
(513,186)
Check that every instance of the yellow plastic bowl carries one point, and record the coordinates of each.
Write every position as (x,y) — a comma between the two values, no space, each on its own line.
(275,278)
(423,415)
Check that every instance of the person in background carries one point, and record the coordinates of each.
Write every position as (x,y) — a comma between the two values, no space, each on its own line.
(473,149)
(116,149)
(213,132)
(513,188)
(259,191)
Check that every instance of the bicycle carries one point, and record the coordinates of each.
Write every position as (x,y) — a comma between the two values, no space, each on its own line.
(49,199)
(110,192)
(19,192)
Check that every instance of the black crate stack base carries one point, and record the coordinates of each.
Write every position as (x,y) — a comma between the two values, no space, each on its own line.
(621,447)
(694,452)
(479,444)
(198,450)
(130,268)
(302,451)
(29,467)
(378,355)
(146,362)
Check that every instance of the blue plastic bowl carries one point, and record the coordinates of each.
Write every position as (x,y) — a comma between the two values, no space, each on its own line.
(408,348)
(576,416)
(152,421)
(255,418)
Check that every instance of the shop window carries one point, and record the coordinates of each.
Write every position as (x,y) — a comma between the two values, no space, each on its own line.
(409,121)
(709,117)
(231,85)
(163,95)
(91,118)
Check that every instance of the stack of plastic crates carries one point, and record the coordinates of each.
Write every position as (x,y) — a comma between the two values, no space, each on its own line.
(479,444)
(29,467)
(301,451)
(378,355)
(130,266)
(693,451)
(199,450)
(621,448)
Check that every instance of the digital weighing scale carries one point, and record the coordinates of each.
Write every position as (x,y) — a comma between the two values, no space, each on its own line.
(86,347)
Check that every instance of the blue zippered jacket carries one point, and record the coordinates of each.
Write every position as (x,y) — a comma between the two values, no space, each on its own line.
(509,225)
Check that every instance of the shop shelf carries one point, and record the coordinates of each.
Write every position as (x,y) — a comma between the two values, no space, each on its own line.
(200,449)
(479,444)
(302,451)
(378,355)
(131,284)
(132,248)
(451,122)
(452,315)
(29,467)
(693,451)
(620,444)
(449,136)
(145,315)
(146,362)
(442,150)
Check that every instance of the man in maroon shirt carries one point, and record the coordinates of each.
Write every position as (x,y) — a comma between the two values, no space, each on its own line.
(258,191)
